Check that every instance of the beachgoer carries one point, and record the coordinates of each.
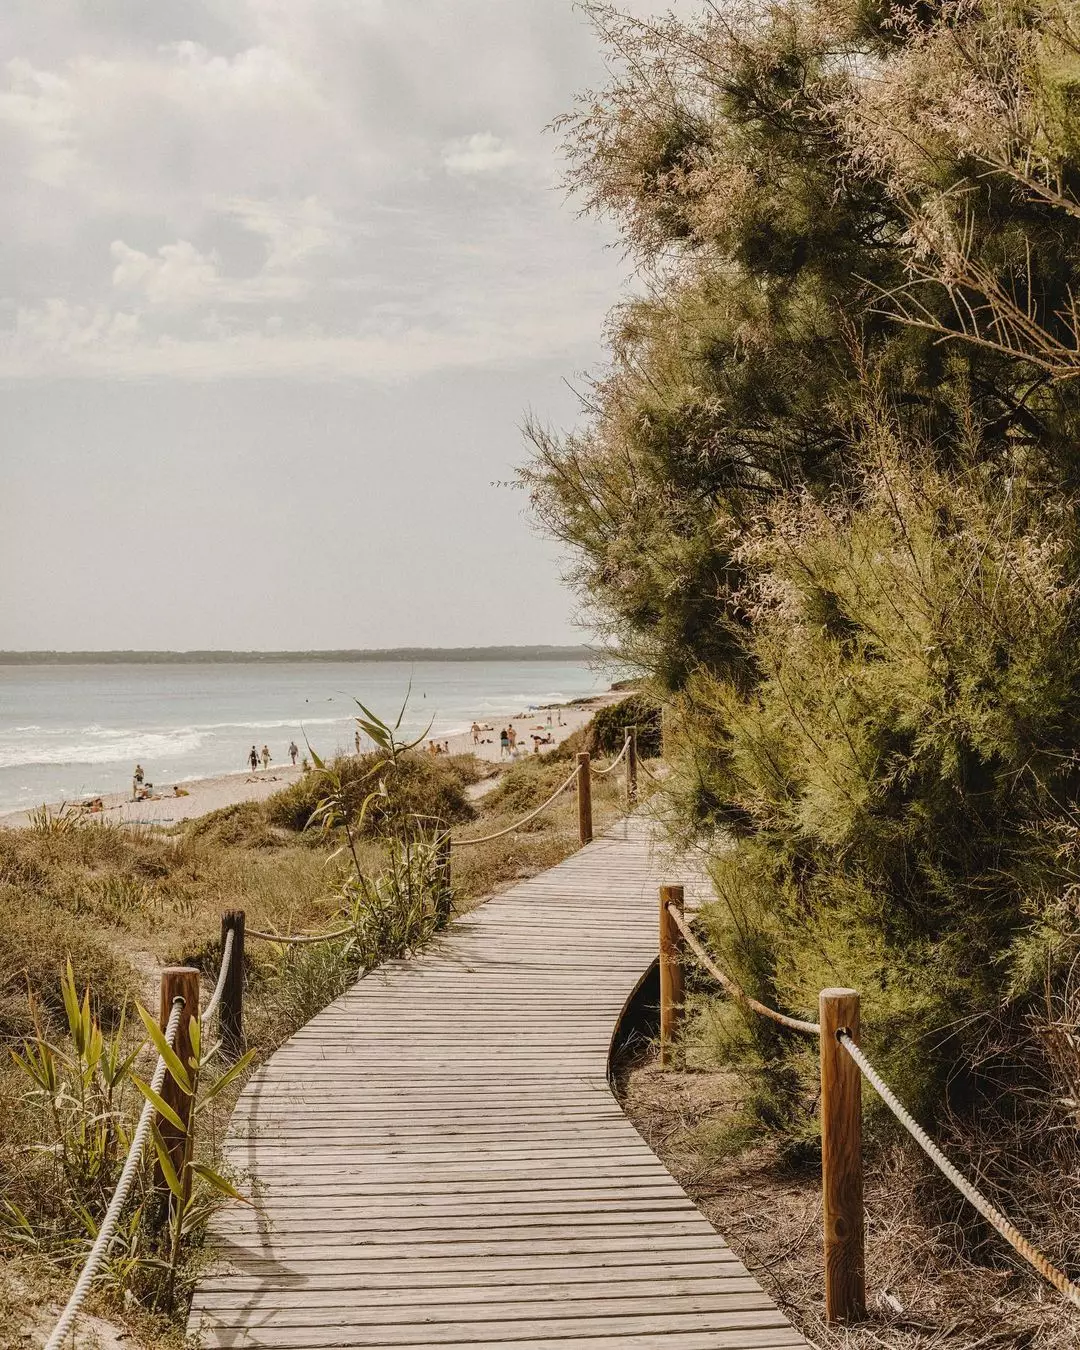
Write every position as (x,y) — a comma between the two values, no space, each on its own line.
(136,781)
(504,743)
(511,731)
(476,733)
(294,750)
(446,747)
(253,758)
(266,756)
(356,740)
(549,717)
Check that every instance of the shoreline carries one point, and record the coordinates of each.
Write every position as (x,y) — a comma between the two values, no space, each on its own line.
(200,796)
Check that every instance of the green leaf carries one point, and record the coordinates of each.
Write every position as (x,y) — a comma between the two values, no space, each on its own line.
(229,1076)
(168,1171)
(158,1103)
(171,1058)
(218,1182)
(195,1037)
(71,1004)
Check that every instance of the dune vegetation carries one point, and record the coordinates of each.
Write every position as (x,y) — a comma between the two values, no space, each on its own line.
(825,495)
(96,910)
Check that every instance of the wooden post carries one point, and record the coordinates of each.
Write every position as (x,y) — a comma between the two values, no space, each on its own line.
(231,1011)
(178,982)
(584,798)
(841,1159)
(444,899)
(631,768)
(671,970)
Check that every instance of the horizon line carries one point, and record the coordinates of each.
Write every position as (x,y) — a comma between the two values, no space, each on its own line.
(151,656)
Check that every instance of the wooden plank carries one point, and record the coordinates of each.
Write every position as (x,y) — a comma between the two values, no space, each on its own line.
(439,1161)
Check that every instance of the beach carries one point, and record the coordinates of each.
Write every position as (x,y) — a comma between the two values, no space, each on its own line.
(202,795)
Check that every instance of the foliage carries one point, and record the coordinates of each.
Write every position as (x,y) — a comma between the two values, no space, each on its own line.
(824,496)
(422,785)
(608,727)
(83,1093)
(526,784)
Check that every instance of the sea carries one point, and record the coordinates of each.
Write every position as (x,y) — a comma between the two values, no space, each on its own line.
(70,731)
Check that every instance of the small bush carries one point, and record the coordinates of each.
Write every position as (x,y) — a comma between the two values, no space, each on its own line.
(242,825)
(526,785)
(34,946)
(605,733)
(420,785)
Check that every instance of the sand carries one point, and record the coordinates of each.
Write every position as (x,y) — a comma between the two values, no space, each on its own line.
(202,795)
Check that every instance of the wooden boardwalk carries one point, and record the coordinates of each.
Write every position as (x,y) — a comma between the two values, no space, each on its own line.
(440,1161)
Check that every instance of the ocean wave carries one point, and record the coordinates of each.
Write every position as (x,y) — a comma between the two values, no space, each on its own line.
(105,748)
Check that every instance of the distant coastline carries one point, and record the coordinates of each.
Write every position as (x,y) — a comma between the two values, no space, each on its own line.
(163,658)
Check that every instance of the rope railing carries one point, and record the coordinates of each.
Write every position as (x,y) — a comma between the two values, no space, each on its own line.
(107,1229)
(841,1119)
(974,1197)
(296,939)
(517,825)
(223,975)
(602,773)
(792,1023)
(136,1149)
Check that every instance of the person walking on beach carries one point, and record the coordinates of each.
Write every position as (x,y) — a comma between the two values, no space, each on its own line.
(137,779)
(476,733)
(294,750)
(504,744)
(266,756)
(511,733)
(253,759)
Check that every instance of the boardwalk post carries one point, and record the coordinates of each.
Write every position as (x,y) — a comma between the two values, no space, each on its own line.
(231,1012)
(631,768)
(671,970)
(177,982)
(584,798)
(841,1159)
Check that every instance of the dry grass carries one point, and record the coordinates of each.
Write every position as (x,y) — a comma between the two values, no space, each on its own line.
(927,1288)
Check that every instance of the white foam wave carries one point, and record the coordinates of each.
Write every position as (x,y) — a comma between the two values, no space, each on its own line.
(104,748)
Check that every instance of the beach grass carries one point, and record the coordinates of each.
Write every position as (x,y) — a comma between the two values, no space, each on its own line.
(121,902)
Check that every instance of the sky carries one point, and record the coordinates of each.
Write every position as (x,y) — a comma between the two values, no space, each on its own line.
(279,282)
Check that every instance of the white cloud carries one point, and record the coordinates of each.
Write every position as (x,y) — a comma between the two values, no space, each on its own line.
(291,230)
(480,153)
(286,180)
(178,275)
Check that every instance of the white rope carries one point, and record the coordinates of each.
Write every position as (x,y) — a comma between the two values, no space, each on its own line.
(219,989)
(487,838)
(123,1187)
(286,940)
(993,1216)
(600,773)
(736,992)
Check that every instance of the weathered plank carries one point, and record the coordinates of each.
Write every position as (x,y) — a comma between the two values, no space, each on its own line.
(438,1159)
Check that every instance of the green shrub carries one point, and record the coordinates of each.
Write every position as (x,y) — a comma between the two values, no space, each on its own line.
(241,825)
(35,944)
(607,730)
(431,787)
(526,785)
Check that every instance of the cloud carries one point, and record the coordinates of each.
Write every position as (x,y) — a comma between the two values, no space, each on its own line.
(178,275)
(271,180)
(479,153)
